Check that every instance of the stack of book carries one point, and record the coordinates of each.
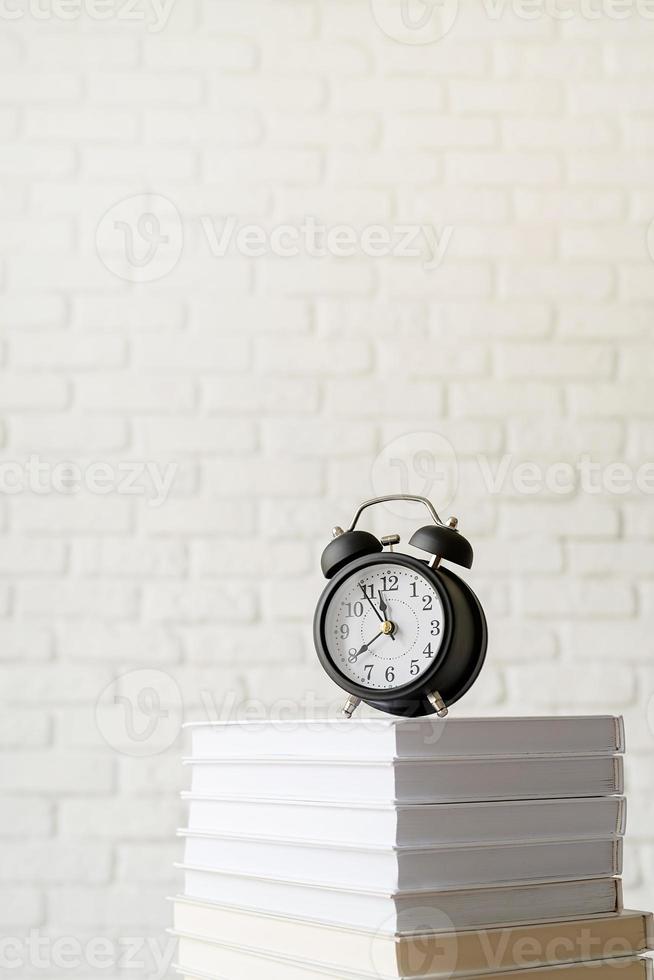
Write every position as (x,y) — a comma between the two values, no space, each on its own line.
(395,848)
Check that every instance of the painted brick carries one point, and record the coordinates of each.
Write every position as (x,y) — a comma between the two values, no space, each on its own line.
(258,477)
(54,774)
(134,819)
(502,167)
(196,435)
(125,88)
(557,684)
(316,438)
(506,97)
(562,598)
(572,518)
(311,356)
(199,602)
(77,599)
(22,641)
(81,514)
(482,398)
(548,360)
(26,815)
(131,393)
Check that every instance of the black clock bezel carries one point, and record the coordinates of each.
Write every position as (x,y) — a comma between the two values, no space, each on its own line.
(367,693)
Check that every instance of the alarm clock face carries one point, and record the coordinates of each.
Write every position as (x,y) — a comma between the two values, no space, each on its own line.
(384,625)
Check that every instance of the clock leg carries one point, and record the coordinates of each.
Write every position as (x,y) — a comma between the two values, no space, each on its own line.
(437,704)
(351,705)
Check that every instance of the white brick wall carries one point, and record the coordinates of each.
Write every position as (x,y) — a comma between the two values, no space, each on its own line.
(269,385)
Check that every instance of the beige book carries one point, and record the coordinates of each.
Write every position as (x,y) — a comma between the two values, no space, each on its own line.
(435,954)
(239,964)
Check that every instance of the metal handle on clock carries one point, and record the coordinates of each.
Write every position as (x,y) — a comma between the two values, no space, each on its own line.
(412,498)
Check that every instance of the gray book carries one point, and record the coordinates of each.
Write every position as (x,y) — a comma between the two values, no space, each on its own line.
(408,781)
(405,869)
(386,824)
(386,911)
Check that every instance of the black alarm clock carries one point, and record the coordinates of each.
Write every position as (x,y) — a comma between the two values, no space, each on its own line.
(403,634)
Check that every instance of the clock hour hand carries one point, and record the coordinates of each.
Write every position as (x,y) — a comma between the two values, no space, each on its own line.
(384,610)
(353,657)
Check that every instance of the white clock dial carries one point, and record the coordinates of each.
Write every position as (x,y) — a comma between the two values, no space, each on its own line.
(384,626)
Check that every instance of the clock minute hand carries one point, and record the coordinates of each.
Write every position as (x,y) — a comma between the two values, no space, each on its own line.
(353,657)
(374,608)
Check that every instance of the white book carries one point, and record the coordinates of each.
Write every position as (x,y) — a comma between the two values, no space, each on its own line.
(454,954)
(419,911)
(385,824)
(405,869)
(387,738)
(405,781)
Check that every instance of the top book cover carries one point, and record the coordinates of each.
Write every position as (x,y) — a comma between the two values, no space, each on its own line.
(389,738)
